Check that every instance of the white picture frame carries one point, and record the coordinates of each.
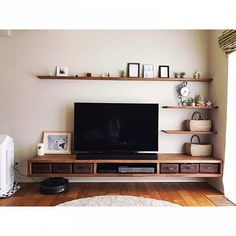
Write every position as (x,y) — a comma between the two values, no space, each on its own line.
(148,71)
(57,142)
(62,71)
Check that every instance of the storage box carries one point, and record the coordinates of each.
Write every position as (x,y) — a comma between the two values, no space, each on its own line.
(209,168)
(83,168)
(189,168)
(62,168)
(169,168)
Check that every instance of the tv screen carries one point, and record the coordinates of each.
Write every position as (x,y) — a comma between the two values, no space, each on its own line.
(110,127)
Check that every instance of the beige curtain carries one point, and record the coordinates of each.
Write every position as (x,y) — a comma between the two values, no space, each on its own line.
(227,41)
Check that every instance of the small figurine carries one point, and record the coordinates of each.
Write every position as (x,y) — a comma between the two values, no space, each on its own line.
(177,75)
(182,74)
(88,74)
(200,101)
(197,75)
(108,74)
(209,104)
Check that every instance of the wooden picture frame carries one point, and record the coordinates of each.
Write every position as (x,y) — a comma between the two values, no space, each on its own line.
(57,142)
(163,71)
(133,70)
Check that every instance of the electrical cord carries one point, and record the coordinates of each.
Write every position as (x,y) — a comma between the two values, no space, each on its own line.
(35,180)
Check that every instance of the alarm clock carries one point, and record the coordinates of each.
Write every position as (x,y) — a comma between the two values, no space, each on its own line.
(183,91)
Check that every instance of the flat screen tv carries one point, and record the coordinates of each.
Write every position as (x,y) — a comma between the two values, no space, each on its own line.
(115,127)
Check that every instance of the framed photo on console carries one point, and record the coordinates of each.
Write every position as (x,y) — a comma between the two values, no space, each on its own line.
(133,70)
(163,72)
(57,142)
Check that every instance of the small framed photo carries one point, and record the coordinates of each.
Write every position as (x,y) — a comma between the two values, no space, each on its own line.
(148,71)
(133,70)
(163,72)
(62,71)
(57,142)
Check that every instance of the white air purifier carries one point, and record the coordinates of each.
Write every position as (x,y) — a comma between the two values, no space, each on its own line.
(7,185)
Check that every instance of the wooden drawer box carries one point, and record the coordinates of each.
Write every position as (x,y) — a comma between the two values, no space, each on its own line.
(169,168)
(209,168)
(62,168)
(189,168)
(83,168)
(41,168)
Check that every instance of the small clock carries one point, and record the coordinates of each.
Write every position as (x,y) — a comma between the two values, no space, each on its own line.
(183,91)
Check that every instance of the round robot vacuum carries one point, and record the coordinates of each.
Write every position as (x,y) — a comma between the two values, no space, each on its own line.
(54,185)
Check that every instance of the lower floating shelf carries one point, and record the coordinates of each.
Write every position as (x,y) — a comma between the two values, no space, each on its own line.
(187,132)
(167,165)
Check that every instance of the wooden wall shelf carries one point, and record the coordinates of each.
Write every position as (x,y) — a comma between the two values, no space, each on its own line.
(187,132)
(122,78)
(43,166)
(189,107)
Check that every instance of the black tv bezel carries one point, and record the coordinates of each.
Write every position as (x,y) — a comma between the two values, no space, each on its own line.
(117,151)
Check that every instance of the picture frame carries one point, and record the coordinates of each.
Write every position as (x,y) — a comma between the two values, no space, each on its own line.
(57,142)
(62,71)
(133,70)
(163,71)
(148,71)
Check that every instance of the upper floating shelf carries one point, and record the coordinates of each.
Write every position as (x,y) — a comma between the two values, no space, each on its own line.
(189,107)
(187,132)
(122,78)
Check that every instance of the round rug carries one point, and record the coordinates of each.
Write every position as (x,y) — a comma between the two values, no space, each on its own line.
(117,200)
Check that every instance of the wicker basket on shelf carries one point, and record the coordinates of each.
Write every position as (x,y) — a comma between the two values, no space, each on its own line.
(198,149)
(198,123)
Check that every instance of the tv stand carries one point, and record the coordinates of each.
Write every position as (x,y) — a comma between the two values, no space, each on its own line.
(167,165)
(116,156)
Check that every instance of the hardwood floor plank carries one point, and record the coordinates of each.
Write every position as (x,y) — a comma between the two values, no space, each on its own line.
(184,194)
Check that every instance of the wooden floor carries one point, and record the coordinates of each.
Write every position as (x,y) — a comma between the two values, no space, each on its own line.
(184,194)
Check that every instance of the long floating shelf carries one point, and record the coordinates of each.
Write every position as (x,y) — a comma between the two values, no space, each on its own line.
(186,132)
(121,78)
(189,107)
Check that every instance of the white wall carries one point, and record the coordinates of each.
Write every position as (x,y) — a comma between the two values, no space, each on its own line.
(218,94)
(29,105)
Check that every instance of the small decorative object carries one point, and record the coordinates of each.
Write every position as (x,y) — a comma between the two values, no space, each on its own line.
(183,91)
(40,149)
(197,75)
(133,70)
(51,72)
(148,71)
(62,71)
(108,74)
(122,73)
(182,74)
(191,102)
(200,101)
(56,142)
(177,75)
(88,74)
(198,123)
(163,71)
(198,148)
(209,104)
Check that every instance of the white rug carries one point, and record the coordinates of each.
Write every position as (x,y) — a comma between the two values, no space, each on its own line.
(117,200)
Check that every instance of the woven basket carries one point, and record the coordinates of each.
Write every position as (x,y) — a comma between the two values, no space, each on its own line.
(198,123)
(198,149)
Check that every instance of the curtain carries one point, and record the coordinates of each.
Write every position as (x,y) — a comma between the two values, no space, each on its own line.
(227,41)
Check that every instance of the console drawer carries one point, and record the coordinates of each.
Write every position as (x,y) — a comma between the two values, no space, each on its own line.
(41,168)
(62,168)
(189,168)
(83,168)
(209,168)
(169,168)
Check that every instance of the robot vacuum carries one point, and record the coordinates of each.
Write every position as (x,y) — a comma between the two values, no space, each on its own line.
(54,185)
